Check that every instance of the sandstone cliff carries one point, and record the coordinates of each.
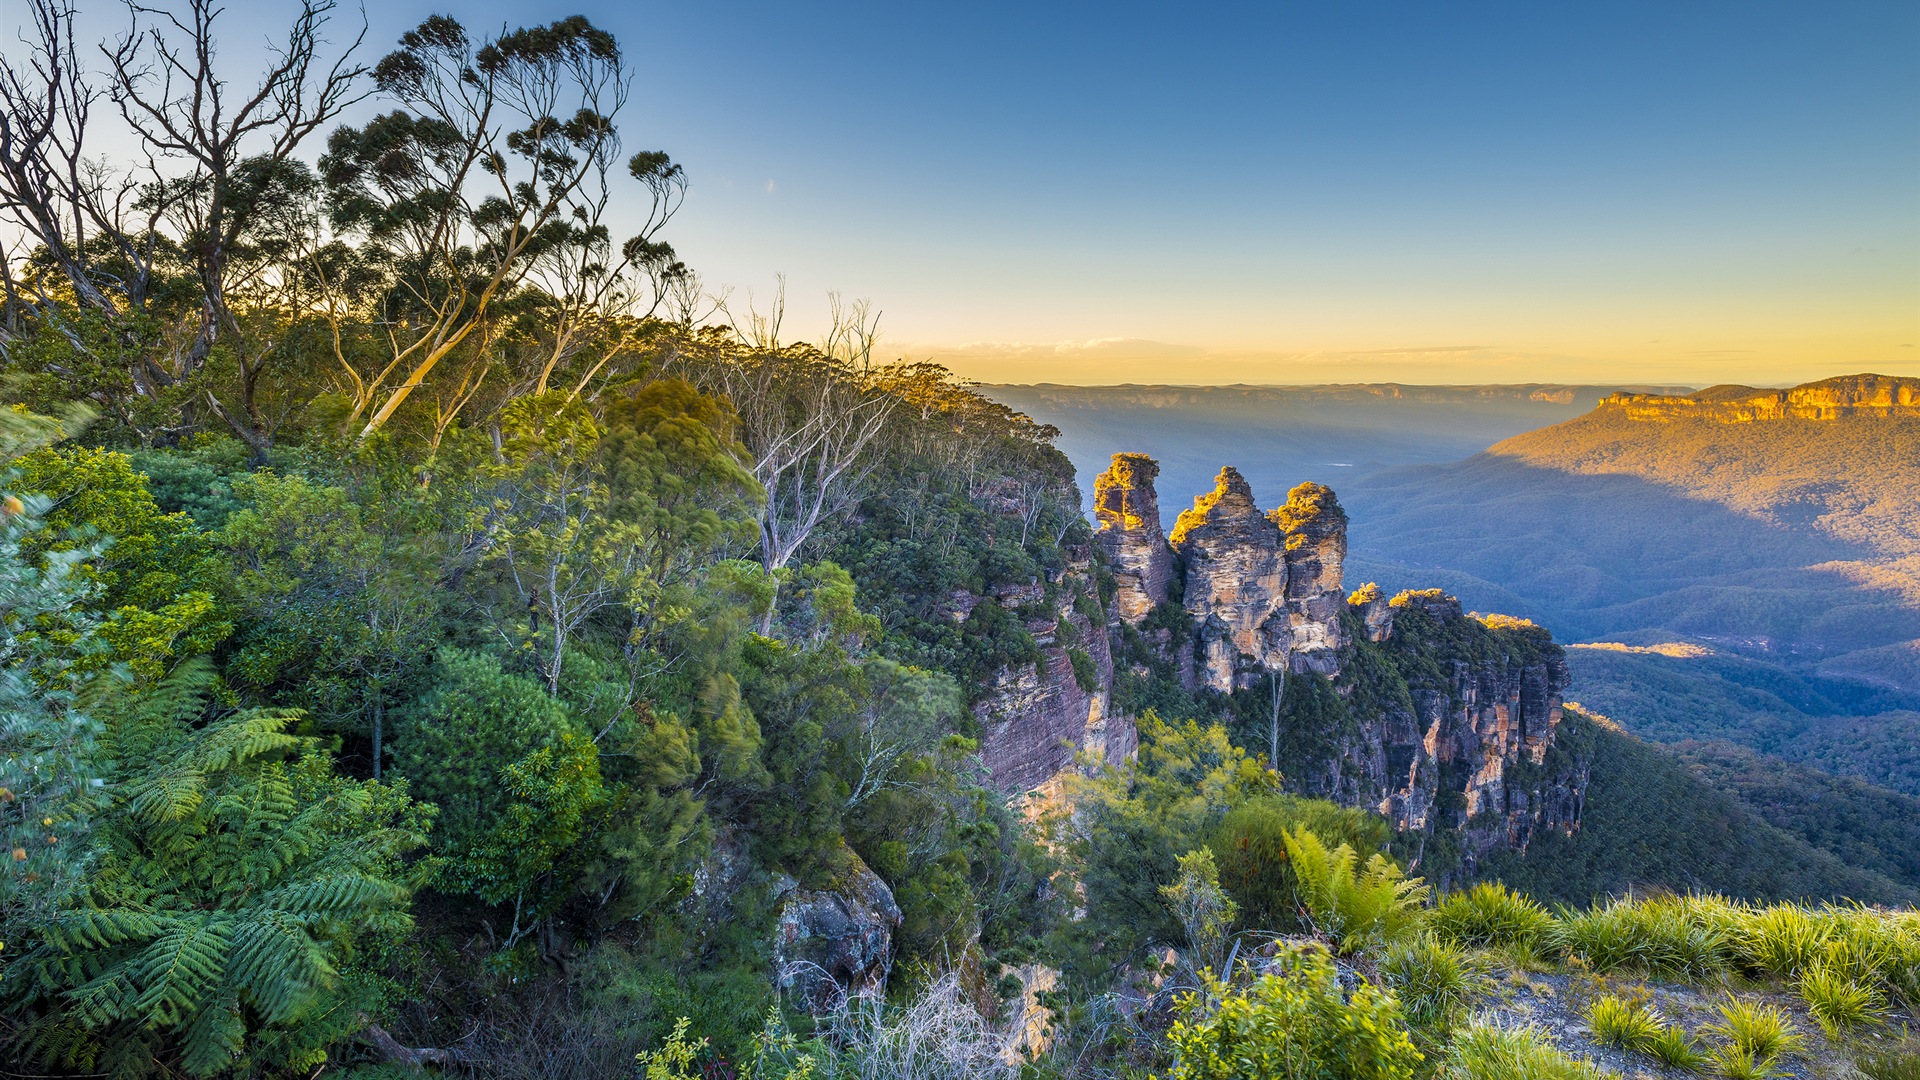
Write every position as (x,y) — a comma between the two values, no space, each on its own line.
(1236,580)
(1829,399)
(1316,550)
(1443,722)
(1128,515)
(1035,718)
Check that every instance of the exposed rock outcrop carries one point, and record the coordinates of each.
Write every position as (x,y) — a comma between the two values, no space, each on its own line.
(1828,399)
(1315,528)
(1446,725)
(835,943)
(1127,511)
(1036,717)
(1469,752)
(1236,581)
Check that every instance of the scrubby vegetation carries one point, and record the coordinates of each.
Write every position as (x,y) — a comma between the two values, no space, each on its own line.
(432,637)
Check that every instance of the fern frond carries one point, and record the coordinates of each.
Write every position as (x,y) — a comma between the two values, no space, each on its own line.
(179,967)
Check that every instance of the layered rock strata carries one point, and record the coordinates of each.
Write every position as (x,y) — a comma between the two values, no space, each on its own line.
(1315,528)
(1469,750)
(1127,515)
(1037,718)
(1235,588)
(1828,399)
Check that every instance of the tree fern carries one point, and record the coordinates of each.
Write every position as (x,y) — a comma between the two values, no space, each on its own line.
(236,875)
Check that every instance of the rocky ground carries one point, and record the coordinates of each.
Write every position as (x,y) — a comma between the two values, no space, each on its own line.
(1555,1002)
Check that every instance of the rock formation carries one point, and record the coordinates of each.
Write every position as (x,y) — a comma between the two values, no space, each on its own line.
(1035,718)
(1128,514)
(1315,529)
(1828,399)
(1236,580)
(1468,752)
(835,943)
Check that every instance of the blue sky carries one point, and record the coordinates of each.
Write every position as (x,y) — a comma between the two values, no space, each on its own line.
(1293,192)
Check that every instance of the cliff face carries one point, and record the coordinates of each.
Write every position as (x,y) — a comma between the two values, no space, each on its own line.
(1236,580)
(1128,515)
(1467,751)
(1441,721)
(1036,717)
(1829,399)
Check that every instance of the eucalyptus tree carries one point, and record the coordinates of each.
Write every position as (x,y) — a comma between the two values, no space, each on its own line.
(493,175)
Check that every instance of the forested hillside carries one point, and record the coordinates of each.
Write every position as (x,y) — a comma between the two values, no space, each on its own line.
(436,638)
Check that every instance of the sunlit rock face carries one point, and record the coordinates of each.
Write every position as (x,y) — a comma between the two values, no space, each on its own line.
(1236,579)
(1315,531)
(1828,399)
(1128,515)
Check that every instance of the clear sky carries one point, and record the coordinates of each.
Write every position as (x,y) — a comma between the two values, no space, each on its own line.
(1298,192)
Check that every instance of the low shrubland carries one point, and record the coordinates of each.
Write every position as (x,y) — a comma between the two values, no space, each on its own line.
(1386,984)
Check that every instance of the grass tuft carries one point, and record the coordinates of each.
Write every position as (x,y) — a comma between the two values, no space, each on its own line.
(1839,1003)
(1490,1052)
(1763,1031)
(1490,915)
(1738,1063)
(1672,1047)
(1616,1021)
(1900,1061)
(1432,979)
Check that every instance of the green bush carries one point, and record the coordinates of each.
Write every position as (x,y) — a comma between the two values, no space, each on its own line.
(1615,1021)
(1492,915)
(1839,1003)
(1762,1030)
(1662,935)
(1250,846)
(1356,906)
(1291,1023)
(1490,1052)
(1433,979)
(1671,1047)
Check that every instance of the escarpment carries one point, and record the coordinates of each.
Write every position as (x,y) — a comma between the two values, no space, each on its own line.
(1828,399)
(1039,713)
(1442,721)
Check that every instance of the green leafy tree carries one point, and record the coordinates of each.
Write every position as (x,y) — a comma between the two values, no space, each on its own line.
(1129,825)
(338,605)
(156,574)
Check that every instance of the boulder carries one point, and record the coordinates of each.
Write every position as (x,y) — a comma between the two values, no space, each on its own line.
(835,942)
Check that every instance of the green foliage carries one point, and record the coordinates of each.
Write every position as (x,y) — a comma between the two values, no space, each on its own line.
(1433,980)
(1616,1021)
(1735,1062)
(1490,915)
(236,888)
(1489,1052)
(1762,1030)
(1204,911)
(1293,1023)
(1838,1002)
(1900,1061)
(155,575)
(1357,906)
(1672,1047)
(675,1058)
(1250,845)
(1130,825)
(1662,935)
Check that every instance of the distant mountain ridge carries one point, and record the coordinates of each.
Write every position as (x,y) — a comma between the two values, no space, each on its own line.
(1828,399)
